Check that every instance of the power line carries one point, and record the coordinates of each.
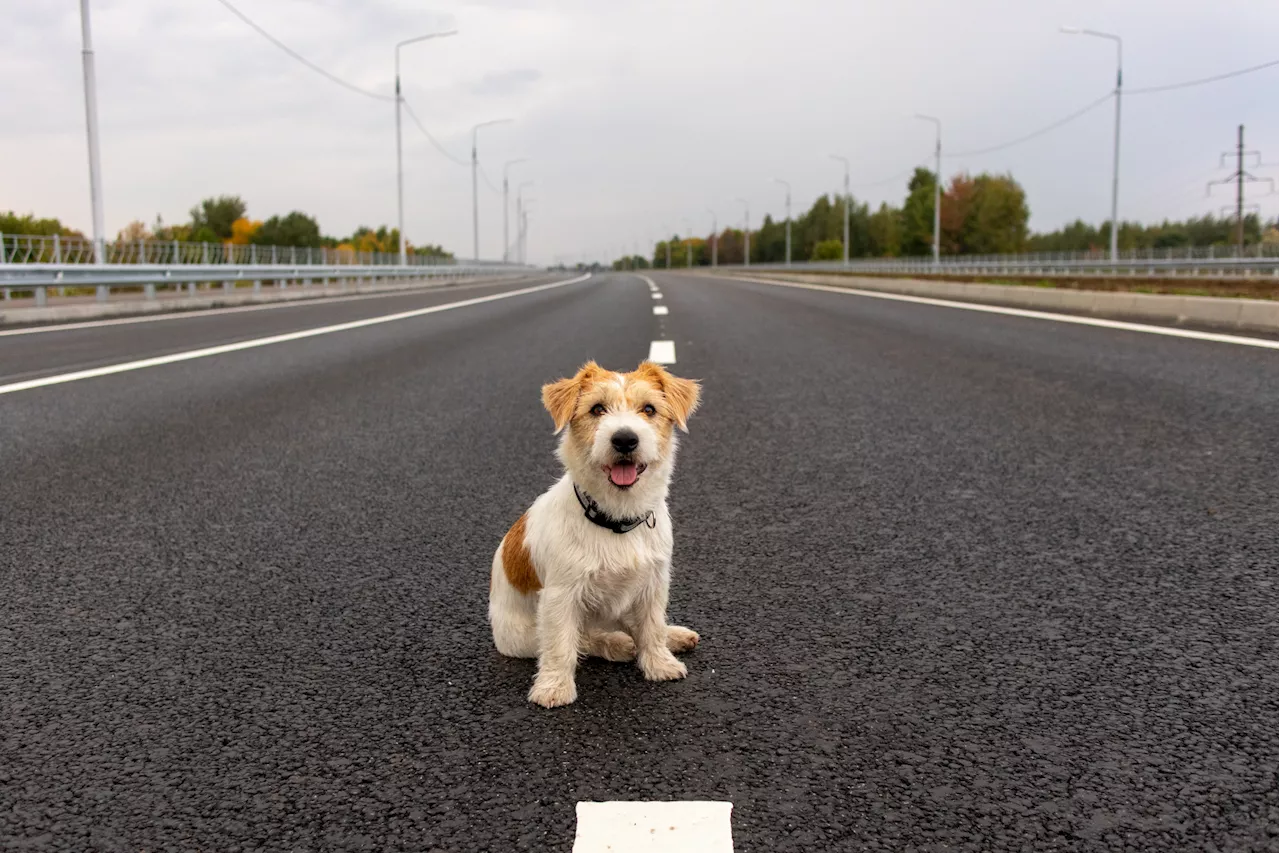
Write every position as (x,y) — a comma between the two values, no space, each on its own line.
(1057,124)
(316,68)
(431,138)
(1149,89)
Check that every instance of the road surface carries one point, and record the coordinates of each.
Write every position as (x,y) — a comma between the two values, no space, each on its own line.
(965,582)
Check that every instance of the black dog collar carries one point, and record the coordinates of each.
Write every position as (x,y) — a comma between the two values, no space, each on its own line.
(598,516)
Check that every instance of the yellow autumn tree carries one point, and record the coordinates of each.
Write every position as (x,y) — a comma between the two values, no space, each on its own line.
(242,231)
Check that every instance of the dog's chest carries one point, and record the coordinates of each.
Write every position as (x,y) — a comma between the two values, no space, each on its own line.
(620,568)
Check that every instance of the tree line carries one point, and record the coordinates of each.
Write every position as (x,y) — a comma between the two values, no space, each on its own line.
(223,219)
(980,215)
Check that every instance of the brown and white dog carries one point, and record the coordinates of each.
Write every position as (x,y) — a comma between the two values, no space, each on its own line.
(586,570)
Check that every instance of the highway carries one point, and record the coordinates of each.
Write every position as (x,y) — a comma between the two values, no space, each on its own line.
(965,581)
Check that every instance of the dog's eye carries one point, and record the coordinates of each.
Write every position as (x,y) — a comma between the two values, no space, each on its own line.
(649,409)
(597,409)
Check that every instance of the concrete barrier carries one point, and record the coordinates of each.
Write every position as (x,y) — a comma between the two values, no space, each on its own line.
(1253,315)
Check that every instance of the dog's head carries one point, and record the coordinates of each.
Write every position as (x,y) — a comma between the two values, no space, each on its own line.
(620,438)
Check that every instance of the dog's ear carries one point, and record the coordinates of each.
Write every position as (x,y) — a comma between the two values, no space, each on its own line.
(682,394)
(561,398)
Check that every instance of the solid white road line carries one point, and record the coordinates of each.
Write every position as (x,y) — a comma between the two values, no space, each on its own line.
(197,313)
(1023,312)
(647,281)
(274,339)
(631,827)
(660,310)
(660,352)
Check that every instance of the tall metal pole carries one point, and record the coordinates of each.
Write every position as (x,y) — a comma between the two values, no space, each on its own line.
(847,200)
(746,232)
(1115,159)
(520,219)
(1240,190)
(506,206)
(91,122)
(404,253)
(937,186)
(688,247)
(1115,165)
(475,187)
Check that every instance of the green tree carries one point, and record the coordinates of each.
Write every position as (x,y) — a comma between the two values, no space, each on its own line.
(293,229)
(884,231)
(27,223)
(996,219)
(828,250)
(917,214)
(216,215)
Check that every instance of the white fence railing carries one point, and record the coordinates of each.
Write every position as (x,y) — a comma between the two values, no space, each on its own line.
(39,249)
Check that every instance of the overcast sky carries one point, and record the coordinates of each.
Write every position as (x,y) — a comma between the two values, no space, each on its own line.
(638,118)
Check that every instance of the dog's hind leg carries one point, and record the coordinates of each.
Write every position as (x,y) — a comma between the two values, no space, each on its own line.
(681,639)
(513,615)
(616,646)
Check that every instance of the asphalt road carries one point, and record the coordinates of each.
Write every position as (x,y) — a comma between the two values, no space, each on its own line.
(965,582)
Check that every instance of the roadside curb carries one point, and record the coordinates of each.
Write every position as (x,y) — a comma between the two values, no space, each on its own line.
(1253,315)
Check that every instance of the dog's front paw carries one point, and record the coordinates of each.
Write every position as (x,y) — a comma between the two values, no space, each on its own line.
(662,667)
(681,639)
(553,691)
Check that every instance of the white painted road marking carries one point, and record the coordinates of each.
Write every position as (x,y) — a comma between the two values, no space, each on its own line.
(660,352)
(648,281)
(1023,312)
(274,339)
(681,827)
(656,295)
(660,310)
(197,313)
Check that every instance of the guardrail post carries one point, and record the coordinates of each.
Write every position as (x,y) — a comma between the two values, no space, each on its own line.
(103,290)
(42,296)
(228,286)
(149,291)
(257,285)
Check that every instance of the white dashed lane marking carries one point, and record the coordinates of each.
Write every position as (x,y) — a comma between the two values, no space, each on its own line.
(662,352)
(631,827)
(656,295)
(660,310)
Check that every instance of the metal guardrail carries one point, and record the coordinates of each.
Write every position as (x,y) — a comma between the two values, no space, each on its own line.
(56,249)
(1190,262)
(38,279)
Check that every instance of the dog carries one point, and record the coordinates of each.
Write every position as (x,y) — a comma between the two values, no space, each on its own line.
(587,569)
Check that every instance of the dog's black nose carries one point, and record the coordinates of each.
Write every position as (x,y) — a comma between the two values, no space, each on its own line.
(625,441)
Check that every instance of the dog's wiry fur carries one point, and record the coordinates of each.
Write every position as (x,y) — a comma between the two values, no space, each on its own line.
(562,586)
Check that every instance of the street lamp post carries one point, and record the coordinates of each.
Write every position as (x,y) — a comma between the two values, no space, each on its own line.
(746,232)
(506,207)
(788,186)
(715,236)
(520,202)
(91,123)
(688,245)
(937,186)
(404,253)
(847,200)
(1115,157)
(475,187)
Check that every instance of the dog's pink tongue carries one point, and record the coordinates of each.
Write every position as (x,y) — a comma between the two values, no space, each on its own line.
(623,474)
